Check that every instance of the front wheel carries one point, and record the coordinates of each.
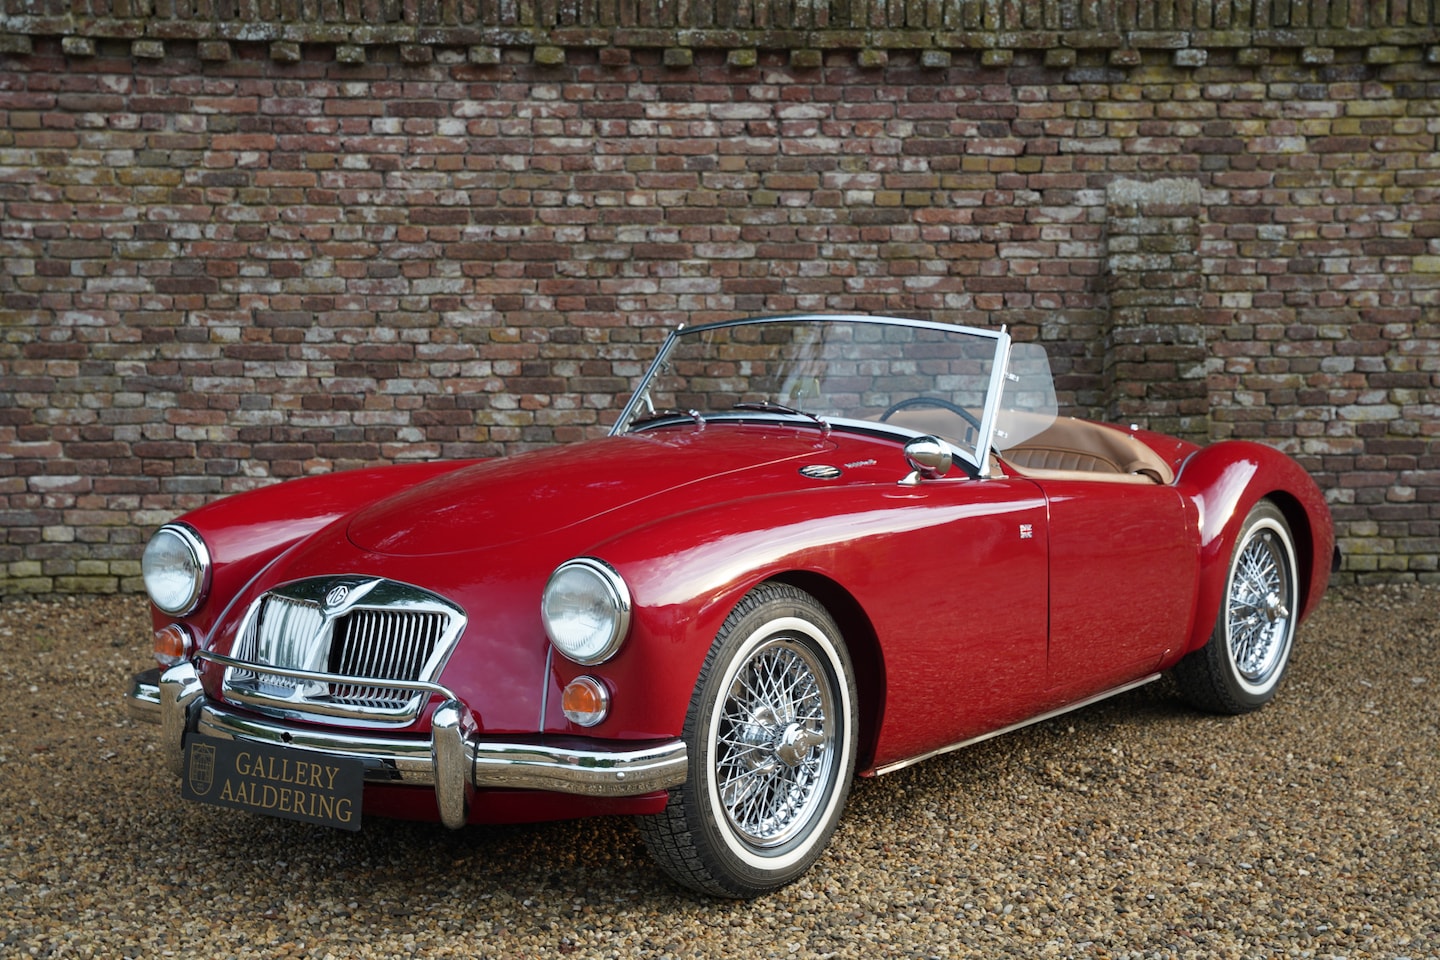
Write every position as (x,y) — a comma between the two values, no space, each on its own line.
(1240,666)
(772,736)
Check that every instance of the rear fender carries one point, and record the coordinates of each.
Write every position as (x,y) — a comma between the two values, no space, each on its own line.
(1225,482)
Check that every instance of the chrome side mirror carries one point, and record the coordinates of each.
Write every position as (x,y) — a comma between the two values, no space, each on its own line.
(929,459)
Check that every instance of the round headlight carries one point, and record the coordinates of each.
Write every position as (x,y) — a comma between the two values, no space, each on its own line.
(176,567)
(586,609)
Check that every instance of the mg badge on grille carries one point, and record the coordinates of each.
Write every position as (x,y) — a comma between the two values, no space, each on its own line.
(337,596)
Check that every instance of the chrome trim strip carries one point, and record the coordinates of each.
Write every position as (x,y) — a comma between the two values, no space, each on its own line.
(387,759)
(420,686)
(985,441)
(545,687)
(591,773)
(495,764)
(318,710)
(1059,711)
(622,422)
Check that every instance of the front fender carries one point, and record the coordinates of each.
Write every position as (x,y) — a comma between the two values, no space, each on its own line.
(1225,482)
(686,574)
(246,531)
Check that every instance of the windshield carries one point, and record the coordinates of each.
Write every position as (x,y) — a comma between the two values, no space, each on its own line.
(906,377)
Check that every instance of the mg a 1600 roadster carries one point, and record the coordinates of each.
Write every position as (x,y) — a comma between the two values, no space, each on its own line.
(811,548)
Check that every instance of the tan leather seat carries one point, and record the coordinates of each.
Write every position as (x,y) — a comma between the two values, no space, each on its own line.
(1081,450)
(1039,458)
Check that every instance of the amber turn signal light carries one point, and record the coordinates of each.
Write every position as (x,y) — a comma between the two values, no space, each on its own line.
(585,701)
(173,645)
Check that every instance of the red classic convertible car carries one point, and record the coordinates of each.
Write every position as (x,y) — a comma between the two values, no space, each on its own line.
(811,547)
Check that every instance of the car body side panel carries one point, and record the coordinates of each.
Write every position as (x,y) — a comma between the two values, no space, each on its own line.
(1124,560)
(952,591)
(1224,482)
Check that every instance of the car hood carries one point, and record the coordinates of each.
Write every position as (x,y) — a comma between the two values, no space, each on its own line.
(502,502)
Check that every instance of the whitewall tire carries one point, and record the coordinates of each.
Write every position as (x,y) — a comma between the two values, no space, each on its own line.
(772,734)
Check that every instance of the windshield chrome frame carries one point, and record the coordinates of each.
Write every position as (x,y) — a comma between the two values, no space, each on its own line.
(999,367)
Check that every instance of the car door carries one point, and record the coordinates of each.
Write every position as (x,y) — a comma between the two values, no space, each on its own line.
(1123,567)
(960,609)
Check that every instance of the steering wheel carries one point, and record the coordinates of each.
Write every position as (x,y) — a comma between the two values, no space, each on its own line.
(909,402)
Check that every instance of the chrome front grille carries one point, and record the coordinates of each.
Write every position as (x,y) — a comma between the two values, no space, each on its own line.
(385,645)
(349,636)
(283,629)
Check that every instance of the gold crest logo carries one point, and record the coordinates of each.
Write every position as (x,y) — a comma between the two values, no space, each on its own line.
(202,768)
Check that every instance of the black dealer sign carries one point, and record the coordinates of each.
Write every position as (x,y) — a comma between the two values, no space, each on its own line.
(277,781)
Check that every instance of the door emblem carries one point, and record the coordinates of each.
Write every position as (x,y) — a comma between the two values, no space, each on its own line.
(1027,532)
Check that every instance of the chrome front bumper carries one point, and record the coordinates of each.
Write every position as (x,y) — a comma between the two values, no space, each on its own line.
(453,762)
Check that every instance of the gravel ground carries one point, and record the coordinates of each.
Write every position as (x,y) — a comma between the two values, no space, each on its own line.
(1135,828)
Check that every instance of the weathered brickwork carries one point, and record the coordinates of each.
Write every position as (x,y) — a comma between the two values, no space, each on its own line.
(227,262)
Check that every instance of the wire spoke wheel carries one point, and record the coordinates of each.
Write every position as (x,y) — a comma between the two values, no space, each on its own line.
(773,749)
(1242,664)
(772,736)
(1259,607)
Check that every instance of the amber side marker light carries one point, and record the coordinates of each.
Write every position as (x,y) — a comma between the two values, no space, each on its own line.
(173,645)
(585,701)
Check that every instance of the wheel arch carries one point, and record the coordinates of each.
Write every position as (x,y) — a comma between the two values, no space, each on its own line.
(745,822)
(866,656)
(1307,557)
(1225,482)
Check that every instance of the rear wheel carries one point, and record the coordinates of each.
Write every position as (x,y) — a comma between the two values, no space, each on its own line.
(1240,666)
(772,735)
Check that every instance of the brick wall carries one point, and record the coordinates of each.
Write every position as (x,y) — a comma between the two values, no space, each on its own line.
(228,262)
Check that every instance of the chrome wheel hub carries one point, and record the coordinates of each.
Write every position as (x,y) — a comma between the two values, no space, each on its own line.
(771,740)
(793,747)
(758,739)
(1275,608)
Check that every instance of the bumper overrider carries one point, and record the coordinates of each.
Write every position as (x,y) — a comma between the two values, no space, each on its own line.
(453,762)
